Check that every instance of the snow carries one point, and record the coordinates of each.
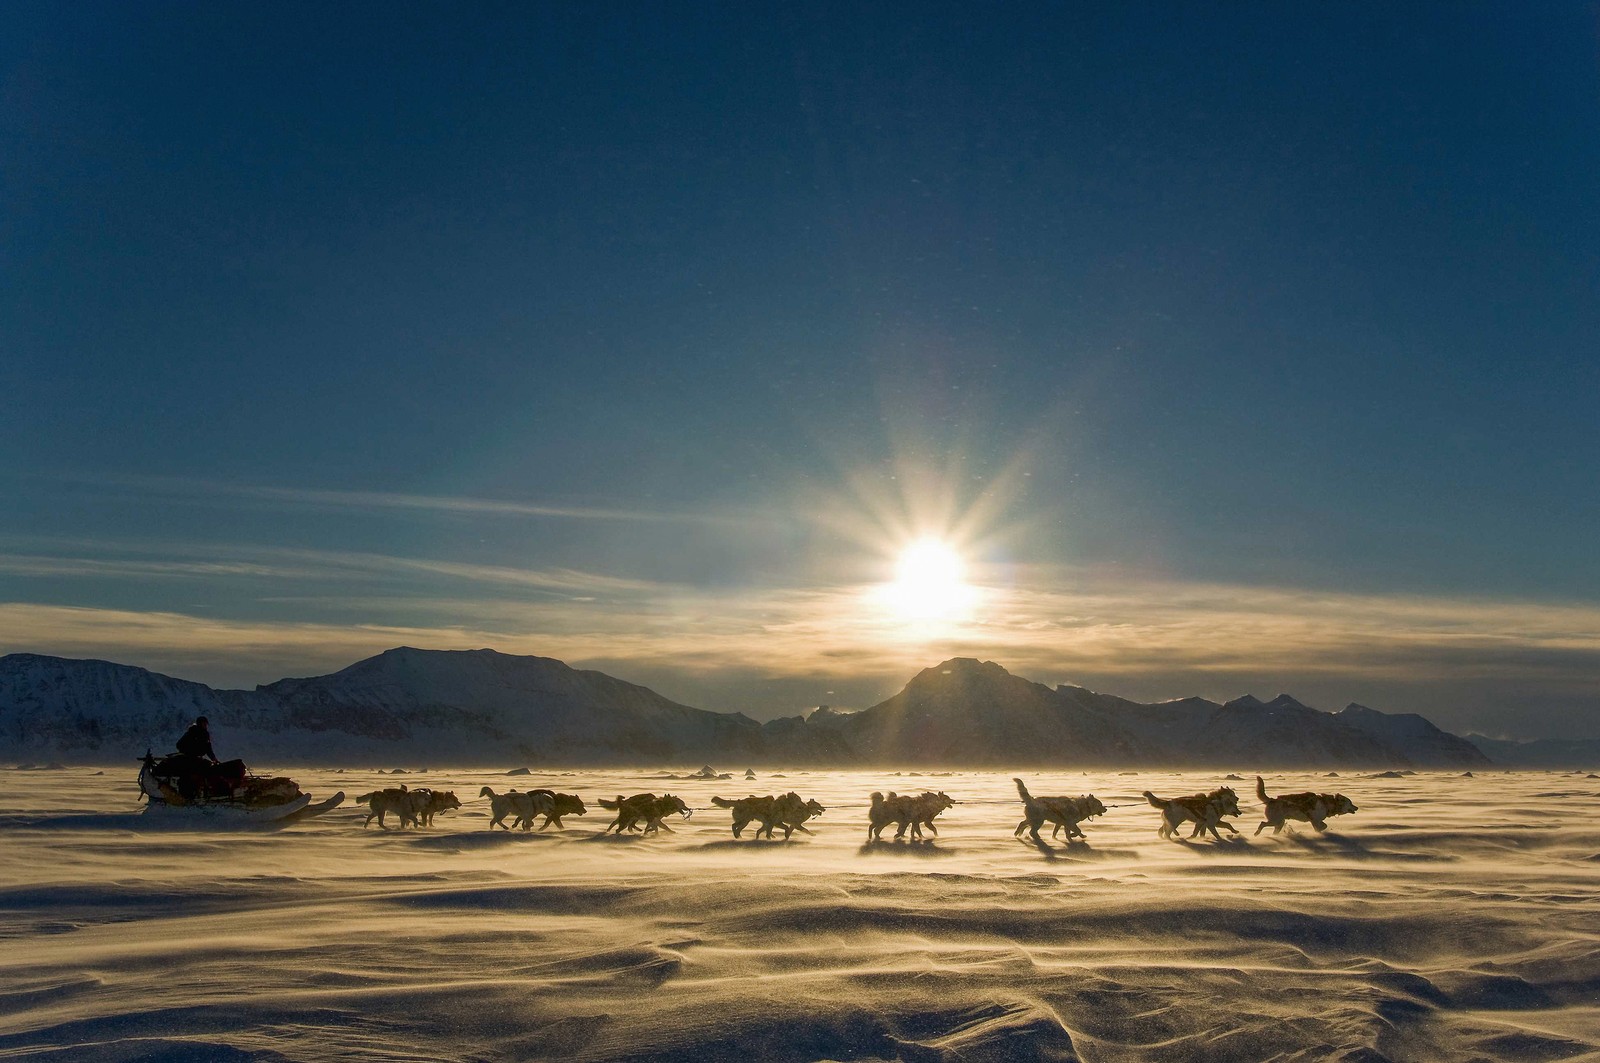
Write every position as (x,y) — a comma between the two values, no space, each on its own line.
(1449,919)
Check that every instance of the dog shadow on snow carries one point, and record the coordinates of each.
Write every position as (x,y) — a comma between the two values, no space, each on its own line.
(1077,850)
(628,838)
(1230,843)
(924,847)
(1354,849)
(750,843)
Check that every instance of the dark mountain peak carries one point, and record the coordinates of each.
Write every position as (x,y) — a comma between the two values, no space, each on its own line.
(1410,731)
(964,666)
(827,712)
(35,663)
(31,660)
(1283,703)
(1396,722)
(970,683)
(17,660)
(412,657)
(1072,694)
(409,664)
(1193,701)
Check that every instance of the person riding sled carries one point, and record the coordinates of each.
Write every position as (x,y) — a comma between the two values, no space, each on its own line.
(201,774)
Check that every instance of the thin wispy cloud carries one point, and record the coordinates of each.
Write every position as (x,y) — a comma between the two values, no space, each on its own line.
(37,565)
(324,498)
(277,563)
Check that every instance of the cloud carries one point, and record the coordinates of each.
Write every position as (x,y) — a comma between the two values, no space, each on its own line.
(127,568)
(1062,625)
(385,500)
(282,564)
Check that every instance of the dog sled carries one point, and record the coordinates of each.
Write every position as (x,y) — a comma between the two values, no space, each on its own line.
(183,787)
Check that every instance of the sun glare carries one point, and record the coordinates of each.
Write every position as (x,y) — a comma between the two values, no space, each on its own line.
(929,584)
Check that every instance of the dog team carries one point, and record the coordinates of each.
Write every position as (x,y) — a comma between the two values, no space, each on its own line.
(647,813)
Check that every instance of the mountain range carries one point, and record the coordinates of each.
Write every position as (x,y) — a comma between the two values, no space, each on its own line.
(482,707)
(1569,753)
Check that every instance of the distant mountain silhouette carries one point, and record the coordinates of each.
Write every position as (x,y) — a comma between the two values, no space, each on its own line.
(466,707)
(535,705)
(971,713)
(1580,754)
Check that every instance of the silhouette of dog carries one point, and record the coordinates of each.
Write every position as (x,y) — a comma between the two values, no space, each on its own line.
(789,812)
(793,811)
(522,807)
(644,812)
(383,802)
(1204,810)
(1065,812)
(747,810)
(560,805)
(427,803)
(883,811)
(904,811)
(1313,808)
(924,808)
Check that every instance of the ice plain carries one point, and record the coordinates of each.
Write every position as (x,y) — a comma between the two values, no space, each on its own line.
(1452,918)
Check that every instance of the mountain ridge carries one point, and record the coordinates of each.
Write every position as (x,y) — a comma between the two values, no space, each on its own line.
(1571,754)
(485,707)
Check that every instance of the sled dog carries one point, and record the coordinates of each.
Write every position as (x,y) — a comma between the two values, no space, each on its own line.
(644,812)
(522,807)
(789,812)
(1204,810)
(560,805)
(383,802)
(793,811)
(904,811)
(1065,812)
(427,803)
(1313,808)
(747,810)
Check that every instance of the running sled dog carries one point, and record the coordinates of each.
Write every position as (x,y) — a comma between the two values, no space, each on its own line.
(416,808)
(789,812)
(523,807)
(382,803)
(1308,807)
(1064,812)
(560,805)
(644,812)
(904,811)
(426,803)
(1205,811)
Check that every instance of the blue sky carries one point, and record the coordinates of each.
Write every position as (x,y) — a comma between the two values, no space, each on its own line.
(1239,347)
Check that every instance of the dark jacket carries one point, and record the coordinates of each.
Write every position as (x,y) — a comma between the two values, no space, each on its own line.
(196,742)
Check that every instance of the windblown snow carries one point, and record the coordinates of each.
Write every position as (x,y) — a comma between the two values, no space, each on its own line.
(1452,918)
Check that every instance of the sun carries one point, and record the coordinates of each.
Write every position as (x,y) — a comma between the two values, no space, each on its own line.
(930,583)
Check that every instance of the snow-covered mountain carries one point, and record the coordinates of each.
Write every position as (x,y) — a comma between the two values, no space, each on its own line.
(409,706)
(59,706)
(529,708)
(971,713)
(402,706)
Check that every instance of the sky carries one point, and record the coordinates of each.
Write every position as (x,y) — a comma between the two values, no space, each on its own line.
(1230,347)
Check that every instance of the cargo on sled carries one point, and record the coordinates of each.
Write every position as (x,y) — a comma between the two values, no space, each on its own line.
(192,786)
